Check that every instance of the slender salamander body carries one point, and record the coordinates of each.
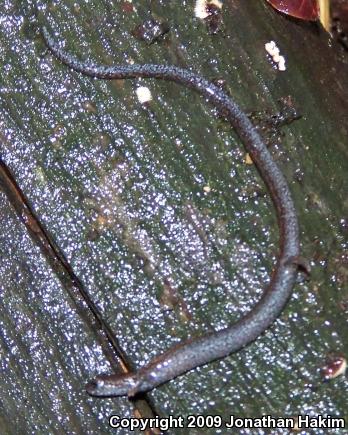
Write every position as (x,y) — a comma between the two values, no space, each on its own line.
(196,352)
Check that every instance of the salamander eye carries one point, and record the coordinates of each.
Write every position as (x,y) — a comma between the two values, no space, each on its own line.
(303,9)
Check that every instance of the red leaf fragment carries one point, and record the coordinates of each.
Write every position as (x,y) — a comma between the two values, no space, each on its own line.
(303,9)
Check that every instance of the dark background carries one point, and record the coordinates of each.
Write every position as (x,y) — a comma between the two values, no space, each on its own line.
(120,190)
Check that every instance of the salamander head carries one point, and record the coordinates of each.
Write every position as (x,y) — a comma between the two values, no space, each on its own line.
(112,385)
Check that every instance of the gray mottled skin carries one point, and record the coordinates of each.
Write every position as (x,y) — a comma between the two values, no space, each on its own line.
(193,353)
